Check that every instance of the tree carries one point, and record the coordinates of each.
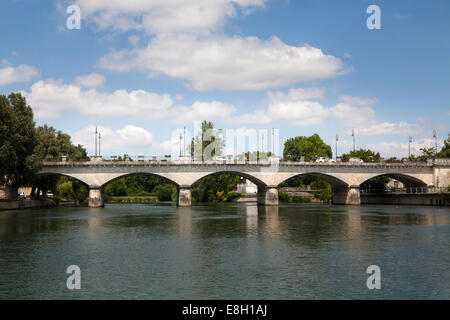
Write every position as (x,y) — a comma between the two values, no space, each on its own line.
(117,188)
(214,188)
(445,151)
(208,143)
(17,141)
(363,154)
(257,155)
(53,144)
(309,147)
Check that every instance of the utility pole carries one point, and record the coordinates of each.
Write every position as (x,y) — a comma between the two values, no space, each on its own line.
(184,141)
(99,138)
(273,146)
(353,135)
(337,139)
(180,144)
(95,140)
(409,147)
(435,141)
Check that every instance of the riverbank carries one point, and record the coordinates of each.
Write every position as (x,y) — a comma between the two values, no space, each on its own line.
(132,199)
(25,204)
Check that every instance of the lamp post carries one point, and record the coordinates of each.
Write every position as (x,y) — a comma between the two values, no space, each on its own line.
(353,135)
(99,138)
(409,147)
(435,142)
(337,139)
(96,140)
(180,144)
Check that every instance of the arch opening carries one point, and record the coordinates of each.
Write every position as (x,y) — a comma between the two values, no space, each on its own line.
(226,186)
(140,187)
(392,181)
(310,187)
(61,187)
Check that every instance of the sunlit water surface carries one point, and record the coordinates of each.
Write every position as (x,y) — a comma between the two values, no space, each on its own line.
(237,251)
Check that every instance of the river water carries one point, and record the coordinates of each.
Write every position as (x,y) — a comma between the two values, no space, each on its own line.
(237,251)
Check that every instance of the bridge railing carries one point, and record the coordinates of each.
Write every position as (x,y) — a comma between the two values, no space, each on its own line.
(410,190)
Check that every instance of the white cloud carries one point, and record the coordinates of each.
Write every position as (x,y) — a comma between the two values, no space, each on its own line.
(49,98)
(198,111)
(133,40)
(164,16)
(389,128)
(21,73)
(124,140)
(91,80)
(292,107)
(400,150)
(221,62)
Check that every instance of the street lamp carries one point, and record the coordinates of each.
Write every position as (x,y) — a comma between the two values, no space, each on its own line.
(435,141)
(337,139)
(409,147)
(353,135)
(99,138)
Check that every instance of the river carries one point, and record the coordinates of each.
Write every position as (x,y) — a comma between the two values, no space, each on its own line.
(236,251)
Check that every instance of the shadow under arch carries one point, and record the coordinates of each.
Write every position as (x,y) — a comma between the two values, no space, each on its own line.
(57,174)
(336,183)
(165,179)
(407,180)
(258,182)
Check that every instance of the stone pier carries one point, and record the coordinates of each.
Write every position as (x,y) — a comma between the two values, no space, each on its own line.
(347,195)
(8,193)
(184,196)
(96,197)
(268,195)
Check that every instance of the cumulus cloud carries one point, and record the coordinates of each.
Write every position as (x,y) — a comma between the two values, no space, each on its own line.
(49,98)
(91,80)
(221,62)
(292,107)
(21,73)
(164,16)
(120,141)
(358,113)
(199,111)
(400,150)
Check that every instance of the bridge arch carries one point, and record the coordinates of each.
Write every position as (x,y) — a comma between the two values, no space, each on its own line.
(49,174)
(407,180)
(124,175)
(259,183)
(334,181)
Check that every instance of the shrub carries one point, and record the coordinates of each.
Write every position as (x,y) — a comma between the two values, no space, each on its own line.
(283,196)
(233,195)
(299,199)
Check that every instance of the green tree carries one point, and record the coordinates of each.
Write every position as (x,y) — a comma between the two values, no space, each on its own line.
(363,154)
(208,143)
(116,188)
(17,141)
(309,147)
(166,192)
(445,151)
(53,144)
(215,188)
(257,155)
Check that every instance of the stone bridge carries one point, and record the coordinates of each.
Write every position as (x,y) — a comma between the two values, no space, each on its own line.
(345,178)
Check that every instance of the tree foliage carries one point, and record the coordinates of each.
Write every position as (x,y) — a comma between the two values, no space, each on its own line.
(365,155)
(309,147)
(215,188)
(208,143)
(17,141)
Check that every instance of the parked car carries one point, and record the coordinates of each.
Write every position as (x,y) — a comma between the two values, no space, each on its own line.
(320,159)
(332,161)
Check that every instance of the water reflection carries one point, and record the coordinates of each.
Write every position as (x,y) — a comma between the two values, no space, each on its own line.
(235,251)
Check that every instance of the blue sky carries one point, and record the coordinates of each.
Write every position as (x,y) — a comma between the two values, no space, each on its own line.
(140,70)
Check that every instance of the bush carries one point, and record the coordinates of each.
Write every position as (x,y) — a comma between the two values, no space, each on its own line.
(166,192)
(299,199)
(233,195)
(283,196)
